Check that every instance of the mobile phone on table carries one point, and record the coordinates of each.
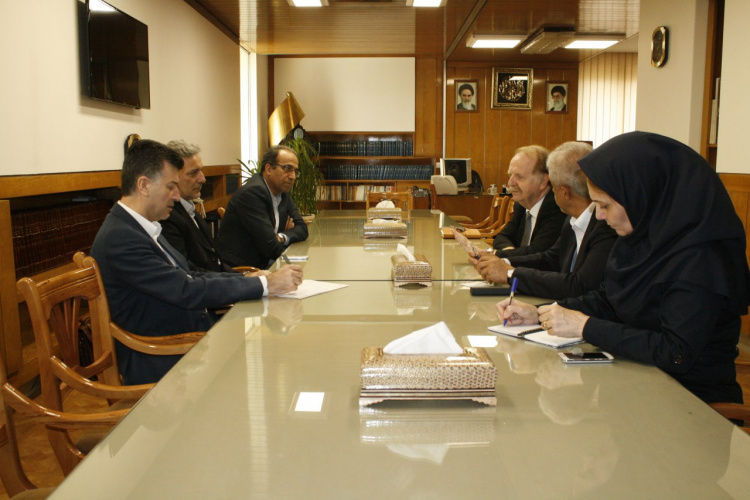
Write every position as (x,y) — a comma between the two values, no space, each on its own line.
(489,290)
(582,358)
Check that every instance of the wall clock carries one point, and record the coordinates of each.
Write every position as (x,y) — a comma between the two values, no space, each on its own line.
(659,40)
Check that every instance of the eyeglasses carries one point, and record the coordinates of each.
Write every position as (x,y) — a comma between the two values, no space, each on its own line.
(288,168)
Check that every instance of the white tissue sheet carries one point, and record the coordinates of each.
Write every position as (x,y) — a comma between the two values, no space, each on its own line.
(405,252)
(385,204)
(435,339)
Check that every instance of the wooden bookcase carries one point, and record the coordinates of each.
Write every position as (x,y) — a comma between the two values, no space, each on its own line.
(41,194)
(356,162)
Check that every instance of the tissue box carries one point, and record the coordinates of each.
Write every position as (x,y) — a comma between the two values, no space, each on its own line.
(407,271)
(470,375)
(384,213)
(389,229)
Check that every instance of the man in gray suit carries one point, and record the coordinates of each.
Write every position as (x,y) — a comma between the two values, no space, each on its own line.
(150,288)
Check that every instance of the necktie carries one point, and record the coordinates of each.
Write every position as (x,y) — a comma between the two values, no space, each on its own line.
(526,230)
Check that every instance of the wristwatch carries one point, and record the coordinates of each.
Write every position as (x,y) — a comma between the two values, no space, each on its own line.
(510,273)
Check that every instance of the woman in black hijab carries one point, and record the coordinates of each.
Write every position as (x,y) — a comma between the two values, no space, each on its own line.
(677,280)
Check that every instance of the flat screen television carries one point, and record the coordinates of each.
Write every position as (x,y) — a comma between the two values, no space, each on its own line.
(114,55)
(459,168)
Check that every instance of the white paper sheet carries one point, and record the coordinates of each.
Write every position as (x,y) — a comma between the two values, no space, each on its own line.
(308,288)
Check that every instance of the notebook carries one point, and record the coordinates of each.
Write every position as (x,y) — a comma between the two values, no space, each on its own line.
(536,333)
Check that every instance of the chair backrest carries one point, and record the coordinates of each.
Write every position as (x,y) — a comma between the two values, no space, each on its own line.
(433,197)
(221,211)
(402,200)
(55,310)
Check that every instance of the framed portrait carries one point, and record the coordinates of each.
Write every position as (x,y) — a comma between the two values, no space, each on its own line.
(557,97)
(467,95)
(512,88)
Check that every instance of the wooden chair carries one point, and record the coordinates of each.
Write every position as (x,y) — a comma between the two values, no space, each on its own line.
(460,219)
(55,310)
(492,218)
(221,211)
(734,411)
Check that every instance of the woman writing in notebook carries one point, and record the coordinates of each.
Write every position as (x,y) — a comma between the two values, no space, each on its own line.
(677,279)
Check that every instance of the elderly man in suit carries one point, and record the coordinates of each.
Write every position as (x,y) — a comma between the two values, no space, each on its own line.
(150,288)
(185,229)
(575,264)
(537,220)
(261,220)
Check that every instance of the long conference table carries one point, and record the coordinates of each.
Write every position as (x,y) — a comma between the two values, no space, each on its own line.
(266,405)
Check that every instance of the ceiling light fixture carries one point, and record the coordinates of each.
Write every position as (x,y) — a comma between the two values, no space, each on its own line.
(545,40)
(425,3)
(308,3)
(493,41)
(594,41)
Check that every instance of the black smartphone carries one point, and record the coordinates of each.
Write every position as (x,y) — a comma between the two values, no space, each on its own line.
(585,357)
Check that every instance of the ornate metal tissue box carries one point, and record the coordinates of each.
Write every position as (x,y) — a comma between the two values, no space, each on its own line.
(384,213)
(469,375)
(385,229)
(408,271)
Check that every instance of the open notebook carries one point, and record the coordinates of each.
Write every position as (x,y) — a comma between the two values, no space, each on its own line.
(535,333)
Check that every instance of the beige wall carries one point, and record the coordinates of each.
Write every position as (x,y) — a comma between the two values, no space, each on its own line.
(349,94)
(46,126)
(734,112)
(670,98)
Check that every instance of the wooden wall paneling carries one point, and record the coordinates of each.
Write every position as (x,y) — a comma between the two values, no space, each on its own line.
(428,129)
(10,329)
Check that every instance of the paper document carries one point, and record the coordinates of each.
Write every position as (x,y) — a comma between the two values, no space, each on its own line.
(535,333)
(297,258)
(308,288)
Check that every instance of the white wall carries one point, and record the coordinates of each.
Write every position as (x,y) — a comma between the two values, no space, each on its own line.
(670,98)
(734,106)
(46,125)
(349,94)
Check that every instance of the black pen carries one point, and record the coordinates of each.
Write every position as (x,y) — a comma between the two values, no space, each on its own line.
(513,287)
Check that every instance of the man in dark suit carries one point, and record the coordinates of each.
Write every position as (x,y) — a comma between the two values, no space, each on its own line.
(261,220)
(150,288)
(185,229)
(528,182)
(575,264)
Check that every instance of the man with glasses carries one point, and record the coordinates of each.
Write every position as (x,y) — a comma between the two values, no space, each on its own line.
(261,220)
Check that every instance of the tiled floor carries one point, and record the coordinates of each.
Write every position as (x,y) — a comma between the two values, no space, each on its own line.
(42,468)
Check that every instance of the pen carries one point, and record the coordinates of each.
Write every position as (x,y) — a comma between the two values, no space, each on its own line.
(513,287)
(476,254)
(286,259)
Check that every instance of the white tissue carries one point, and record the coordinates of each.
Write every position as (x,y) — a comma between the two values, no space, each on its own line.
(405,252)
(385,204)
(435,339)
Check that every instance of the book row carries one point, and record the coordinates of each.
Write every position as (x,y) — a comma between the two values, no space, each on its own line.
(350,193)
(47,238)
(365,148)
(378,172)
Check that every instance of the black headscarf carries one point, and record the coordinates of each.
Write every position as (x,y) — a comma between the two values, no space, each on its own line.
(685,227)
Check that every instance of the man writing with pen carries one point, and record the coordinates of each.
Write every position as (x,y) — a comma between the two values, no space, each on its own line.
(261,220)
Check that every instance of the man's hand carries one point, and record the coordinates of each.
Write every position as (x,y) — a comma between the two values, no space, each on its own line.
(493,269)
(255,274)
(289,224)
(517,313)
(285,280)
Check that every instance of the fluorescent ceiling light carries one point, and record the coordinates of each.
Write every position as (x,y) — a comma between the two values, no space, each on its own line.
(425,3)
(308,3)
(493,41)
(592,43)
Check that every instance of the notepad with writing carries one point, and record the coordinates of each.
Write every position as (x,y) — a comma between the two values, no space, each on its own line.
(535,333)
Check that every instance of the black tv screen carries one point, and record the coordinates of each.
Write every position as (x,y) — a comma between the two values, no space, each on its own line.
(114,58)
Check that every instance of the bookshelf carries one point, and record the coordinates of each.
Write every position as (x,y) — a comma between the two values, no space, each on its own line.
(46,218)
(354,163)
